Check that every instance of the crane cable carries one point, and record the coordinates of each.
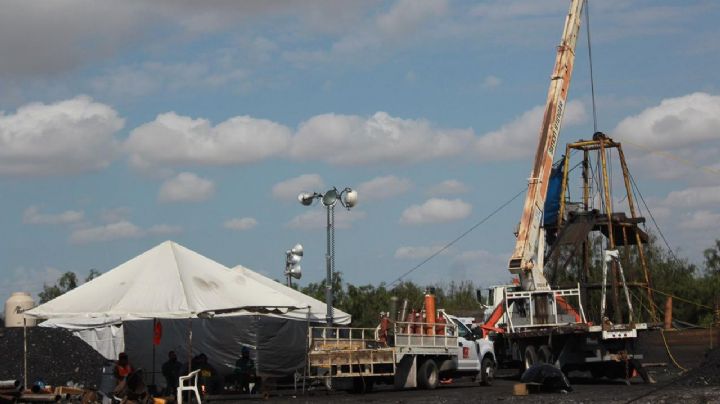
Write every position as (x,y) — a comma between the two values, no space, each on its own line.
(468,231)
(592,80)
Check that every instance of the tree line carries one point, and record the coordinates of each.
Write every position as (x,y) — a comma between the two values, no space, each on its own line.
(696,290)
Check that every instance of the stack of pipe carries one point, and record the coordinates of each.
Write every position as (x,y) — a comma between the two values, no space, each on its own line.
(10,390)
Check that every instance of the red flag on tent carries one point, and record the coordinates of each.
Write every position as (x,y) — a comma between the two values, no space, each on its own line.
(157,332)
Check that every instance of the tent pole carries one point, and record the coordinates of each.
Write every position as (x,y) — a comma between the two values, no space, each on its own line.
(189,344)
(153,352)
(25,367)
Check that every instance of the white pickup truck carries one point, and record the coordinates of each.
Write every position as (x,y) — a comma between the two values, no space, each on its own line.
(412,355)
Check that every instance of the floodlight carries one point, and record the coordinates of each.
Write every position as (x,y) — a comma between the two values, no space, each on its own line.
(306,198)
(297,250)
(330,197)
(350,198)
(295,271)
(293,259)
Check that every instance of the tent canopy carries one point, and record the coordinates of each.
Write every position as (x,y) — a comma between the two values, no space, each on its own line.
(171,281)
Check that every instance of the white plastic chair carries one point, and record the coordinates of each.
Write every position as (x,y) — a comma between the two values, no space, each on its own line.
(192,385)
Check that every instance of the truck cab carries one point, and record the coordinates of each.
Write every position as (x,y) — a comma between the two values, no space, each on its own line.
(476,354)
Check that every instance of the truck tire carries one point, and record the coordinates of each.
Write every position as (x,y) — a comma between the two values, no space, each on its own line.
(487,371)
(428,376)
(545,355)
(530,358)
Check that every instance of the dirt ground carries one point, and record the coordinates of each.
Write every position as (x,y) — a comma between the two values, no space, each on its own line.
(671,387)
(690,348)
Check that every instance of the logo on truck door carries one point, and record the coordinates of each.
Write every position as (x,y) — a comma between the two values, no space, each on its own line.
(466,352)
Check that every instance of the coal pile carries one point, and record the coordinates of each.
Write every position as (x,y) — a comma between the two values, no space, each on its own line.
(707,374)
(55,357)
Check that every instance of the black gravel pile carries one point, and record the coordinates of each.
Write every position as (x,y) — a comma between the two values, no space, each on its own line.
(707,374)
(55,357)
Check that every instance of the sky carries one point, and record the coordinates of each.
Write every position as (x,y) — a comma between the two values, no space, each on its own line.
(124,124)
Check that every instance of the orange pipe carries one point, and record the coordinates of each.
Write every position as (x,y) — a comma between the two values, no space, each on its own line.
(430,313)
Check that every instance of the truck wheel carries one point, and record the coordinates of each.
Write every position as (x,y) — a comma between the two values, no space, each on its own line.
(530,357)
(428,375)
(487,371)
(545,355)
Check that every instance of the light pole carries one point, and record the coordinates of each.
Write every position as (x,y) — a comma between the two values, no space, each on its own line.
(348,199)
(293,257)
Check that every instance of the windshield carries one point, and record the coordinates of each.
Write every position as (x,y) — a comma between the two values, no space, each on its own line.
(463,331)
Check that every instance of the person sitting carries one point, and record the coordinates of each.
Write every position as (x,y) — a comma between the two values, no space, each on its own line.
(208,378)
(171,370)
(245,372)
(122,368)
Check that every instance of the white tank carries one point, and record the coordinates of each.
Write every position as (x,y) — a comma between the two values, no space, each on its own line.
(14,306)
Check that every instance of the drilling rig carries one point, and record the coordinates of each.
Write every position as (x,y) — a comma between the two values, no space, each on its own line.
(537,320)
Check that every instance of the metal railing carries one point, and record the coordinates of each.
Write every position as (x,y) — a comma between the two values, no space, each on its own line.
(412,334)
(544,308)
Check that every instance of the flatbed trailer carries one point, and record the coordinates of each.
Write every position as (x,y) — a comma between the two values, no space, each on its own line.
(407,357)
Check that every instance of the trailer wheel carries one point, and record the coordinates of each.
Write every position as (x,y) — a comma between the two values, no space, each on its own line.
(487,371)
(545,355)
(428,376)
(530,358)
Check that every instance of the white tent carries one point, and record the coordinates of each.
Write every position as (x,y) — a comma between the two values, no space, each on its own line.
(224,309)
(317,307)
(171,281)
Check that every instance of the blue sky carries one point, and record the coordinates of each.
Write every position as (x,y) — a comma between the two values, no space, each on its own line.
(125,124)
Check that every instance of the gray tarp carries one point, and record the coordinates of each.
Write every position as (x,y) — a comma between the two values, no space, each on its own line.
(278,345)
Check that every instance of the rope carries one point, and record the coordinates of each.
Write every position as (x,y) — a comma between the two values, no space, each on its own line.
(667,348)
(448,245)
(632,179)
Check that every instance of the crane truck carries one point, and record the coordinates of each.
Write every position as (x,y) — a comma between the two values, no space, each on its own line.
(531,321)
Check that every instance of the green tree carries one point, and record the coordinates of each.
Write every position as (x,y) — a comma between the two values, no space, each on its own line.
(67,282)
(94,273)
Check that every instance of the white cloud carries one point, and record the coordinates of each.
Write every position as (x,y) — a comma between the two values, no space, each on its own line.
(317,219)
(383,187)
(436,210)
(244,223)
(119,231)
(491,81)
(511,141)
(289,189)
(163,230)
(66,137)
(108,232)
(114,214)
(694,197)
(381,138)
(676,122)
(419,252)
(448,187)
(700,220)
(172,140)
(186,187)
(408,16)
(32,215)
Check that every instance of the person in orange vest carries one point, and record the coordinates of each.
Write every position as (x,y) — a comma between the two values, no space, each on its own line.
(122,367)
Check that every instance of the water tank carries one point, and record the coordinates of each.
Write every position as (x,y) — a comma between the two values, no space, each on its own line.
(14,305)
